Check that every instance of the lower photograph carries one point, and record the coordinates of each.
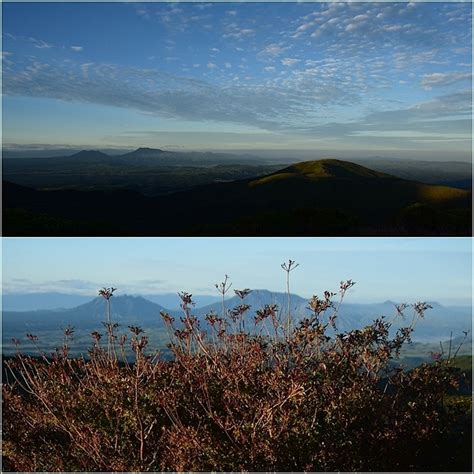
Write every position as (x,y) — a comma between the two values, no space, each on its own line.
(236,354)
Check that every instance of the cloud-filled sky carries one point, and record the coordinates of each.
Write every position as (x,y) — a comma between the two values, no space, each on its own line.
(378,78)
(400,269)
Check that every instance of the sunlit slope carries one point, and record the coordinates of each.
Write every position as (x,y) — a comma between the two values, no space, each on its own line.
(342,184)
(321,169)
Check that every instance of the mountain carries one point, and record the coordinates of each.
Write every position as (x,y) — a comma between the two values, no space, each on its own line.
(324,197)
(48,325)
(320,169)
(136,310)
(437,324)
(126,310)
(54,300)
(51,171)
(257,299)
(148,171)
(172,300)
(142,156)
(146,153)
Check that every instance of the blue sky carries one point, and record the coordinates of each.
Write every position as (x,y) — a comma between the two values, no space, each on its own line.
(391,79)
(400,269)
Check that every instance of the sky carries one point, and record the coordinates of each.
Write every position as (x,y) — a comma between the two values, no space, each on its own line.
(385,79)
(396,269)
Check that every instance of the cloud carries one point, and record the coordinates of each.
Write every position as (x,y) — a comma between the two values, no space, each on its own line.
(435,119)
(362,26)
(80,287)
(203,6)
(437,79)
(290,61)
(273,50)
(234,31)
(341,75)
(151,91)
(71,286)
(173,16)
(40,44)
(295,102)
(36,42)
(77,48)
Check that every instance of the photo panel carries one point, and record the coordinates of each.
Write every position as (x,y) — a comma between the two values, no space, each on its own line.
(265,354)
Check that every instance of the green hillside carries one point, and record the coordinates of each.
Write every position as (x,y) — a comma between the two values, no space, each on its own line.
(321,169)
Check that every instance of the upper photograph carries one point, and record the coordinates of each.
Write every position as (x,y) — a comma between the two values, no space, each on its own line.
(237,119)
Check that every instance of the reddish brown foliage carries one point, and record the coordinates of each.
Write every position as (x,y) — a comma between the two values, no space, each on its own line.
(278,395)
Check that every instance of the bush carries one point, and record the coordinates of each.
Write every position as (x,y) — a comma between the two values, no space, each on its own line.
(240,393)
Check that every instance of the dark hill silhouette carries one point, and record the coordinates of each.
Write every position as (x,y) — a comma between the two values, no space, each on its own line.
(145,152)
(325,197)
(328,168)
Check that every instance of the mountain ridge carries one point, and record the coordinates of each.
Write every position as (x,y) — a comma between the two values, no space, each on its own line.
(135,309)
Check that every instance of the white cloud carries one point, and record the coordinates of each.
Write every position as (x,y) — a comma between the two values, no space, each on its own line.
(273,50)
(351,27)
(269,105)
(361,17)
(40,44)
(443,79)
(85,70)
(232,30)
(77,48)
(290,61)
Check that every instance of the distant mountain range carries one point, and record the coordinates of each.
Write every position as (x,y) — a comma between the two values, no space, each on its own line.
(136,310)
(142,155)
(25,170)
(55,300)
(324,197)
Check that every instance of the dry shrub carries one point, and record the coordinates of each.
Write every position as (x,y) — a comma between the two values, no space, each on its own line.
(242,392)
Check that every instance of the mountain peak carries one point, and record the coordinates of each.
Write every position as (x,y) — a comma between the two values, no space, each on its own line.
(89,154)
(321,170)
(147,150)
(389,302)
(333,168)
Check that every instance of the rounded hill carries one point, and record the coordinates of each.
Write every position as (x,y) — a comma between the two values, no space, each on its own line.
(322,169)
